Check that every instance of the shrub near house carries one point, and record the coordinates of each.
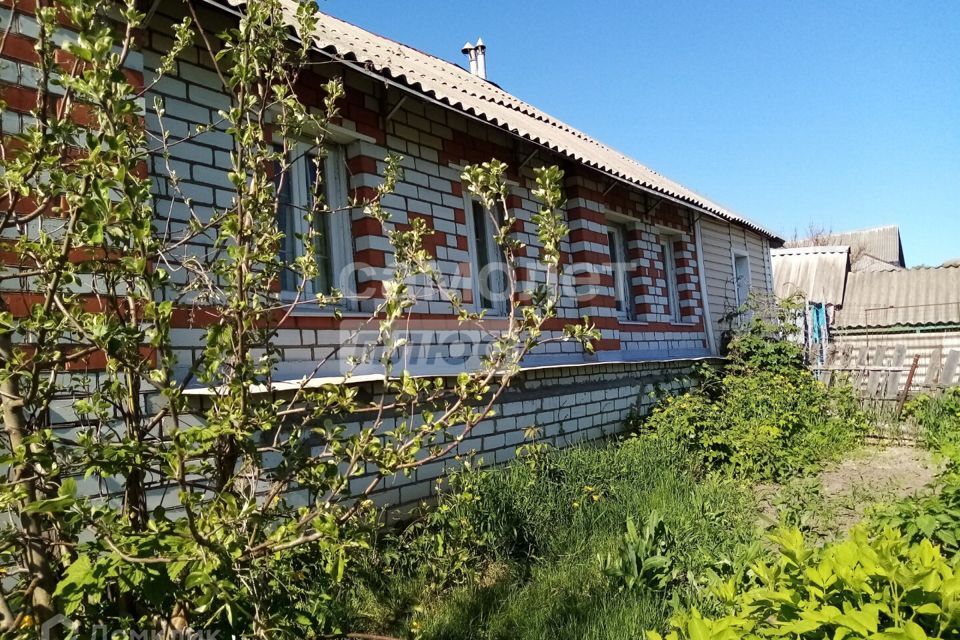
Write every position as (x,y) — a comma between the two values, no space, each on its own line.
(765,416)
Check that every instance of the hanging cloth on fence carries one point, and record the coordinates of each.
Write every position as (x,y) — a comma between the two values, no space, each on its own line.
(819,317)
(820,330)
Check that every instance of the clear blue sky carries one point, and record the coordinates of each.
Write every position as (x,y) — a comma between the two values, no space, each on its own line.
(837,113)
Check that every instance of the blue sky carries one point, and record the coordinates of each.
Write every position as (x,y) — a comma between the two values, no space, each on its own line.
(837,114)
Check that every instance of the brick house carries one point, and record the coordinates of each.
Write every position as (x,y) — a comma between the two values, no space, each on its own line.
(654,264)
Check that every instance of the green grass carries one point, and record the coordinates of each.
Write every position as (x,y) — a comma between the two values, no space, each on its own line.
(562,598)
(536,529)
(536,549)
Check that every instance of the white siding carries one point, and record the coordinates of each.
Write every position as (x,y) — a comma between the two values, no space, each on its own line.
(719,241)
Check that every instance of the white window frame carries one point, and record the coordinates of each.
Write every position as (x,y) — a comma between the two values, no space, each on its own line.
(735,256)
(622,287)
(494,255)
(340,242)
(670,275)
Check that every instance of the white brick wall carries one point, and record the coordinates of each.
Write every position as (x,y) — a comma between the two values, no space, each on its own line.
(556,401)
(567,406)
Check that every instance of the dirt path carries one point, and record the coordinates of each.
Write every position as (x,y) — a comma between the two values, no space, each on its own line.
(831,503)
(900,471)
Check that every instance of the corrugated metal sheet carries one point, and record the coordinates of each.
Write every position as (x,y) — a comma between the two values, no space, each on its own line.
(818,273)
(458,88)
(866,262)
(907,297)
(883,243)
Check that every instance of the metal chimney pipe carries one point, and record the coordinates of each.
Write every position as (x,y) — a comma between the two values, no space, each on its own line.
(471,52)
(481,53)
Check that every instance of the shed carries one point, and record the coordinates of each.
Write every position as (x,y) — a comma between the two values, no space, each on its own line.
(817,273)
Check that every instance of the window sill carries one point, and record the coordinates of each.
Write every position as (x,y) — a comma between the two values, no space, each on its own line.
(673,323)
(311,308)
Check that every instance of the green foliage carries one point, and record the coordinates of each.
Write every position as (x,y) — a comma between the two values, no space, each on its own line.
(644,558)
(518,551)
(800,504)
(825,516)
(764,342)
(934,516)
(937,418)
(764,416)
(884,587)
(526,510)
(762,425)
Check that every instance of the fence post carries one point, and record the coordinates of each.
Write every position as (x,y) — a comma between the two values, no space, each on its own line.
(906,387)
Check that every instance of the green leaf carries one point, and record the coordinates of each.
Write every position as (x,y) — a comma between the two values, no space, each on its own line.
(78,581)
(50,505)
(929,608)
(927,524)
(68,488)
(914,631)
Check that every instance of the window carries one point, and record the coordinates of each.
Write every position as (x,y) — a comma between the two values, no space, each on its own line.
(741,276)
(489,277)
(616,241)
(670,278)
(309,177)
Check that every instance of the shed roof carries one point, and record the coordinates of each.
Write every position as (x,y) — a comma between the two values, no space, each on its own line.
(818,273)
(910,297)
(457,88)
(882,243)
(867,262)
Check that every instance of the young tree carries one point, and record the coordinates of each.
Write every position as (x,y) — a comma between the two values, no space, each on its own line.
(88,302)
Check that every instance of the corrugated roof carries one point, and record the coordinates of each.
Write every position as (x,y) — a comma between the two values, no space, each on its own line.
(882,243)
(867,262)
(897,298)
(818,273)
(457,88)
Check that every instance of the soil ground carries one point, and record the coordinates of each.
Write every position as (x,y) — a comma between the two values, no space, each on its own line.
(901,471)
(831,503)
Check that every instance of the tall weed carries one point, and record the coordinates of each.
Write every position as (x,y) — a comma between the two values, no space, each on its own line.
(519,551)
(937,418)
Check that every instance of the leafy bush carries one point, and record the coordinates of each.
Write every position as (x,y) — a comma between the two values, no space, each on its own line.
(881,587)
(765,342)
(765,416)
(937,417)
(935,516)
(762,425)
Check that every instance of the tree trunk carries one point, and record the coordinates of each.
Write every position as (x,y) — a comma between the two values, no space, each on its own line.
(37,557)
